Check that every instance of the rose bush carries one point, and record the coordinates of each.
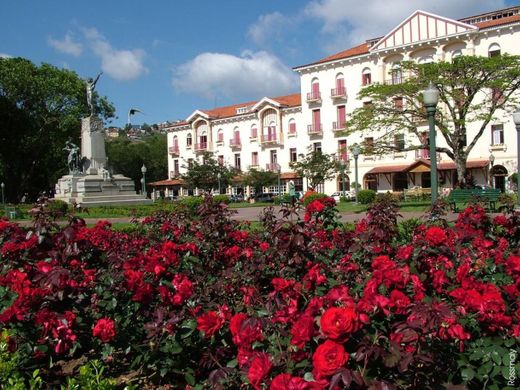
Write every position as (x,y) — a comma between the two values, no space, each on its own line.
(198,301)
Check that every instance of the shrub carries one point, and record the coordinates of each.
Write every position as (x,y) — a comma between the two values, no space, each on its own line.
(313,196)
(57,206)
(366,196)
(190,202)
(281,199)
(221,199)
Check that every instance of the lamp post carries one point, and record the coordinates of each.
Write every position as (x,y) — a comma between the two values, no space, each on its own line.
(516,120)
(301,156)
(343,169)
(355,153)
(143,180)
(491,163)
(218,177)
(431,98)
(3,197)
(279,169)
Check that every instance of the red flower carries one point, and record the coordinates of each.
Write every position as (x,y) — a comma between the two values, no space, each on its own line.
(105,329)
(435,235)
(302,331)
(513,265)
(338,322)
(328,358)
(209,323)
(288,382)
(259,369)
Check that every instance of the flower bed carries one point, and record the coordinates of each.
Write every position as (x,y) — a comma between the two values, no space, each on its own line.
(198,302)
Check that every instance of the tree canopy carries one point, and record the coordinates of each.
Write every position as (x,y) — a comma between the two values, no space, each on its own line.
(317,167)
(40,108)
(205,175)
(258,179)
(127,157)
(473,90)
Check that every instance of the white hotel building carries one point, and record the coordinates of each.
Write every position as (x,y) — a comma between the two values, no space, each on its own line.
(273,131)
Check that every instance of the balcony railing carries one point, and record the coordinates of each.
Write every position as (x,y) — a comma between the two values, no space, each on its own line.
(235,143)
(342,156)
(339,126)
(269,138)
(273,167)
(314,129)
(174,150)
(174,174)
(253,166)
(425,154)
(202,146)
(338,93)
(313,97)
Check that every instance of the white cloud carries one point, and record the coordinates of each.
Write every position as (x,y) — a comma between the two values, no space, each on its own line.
(268,27)
(67,45)
(3,55)
(350,22)
(120,64)
(248,76)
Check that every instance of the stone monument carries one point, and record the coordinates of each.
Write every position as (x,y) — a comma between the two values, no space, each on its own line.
(89,183)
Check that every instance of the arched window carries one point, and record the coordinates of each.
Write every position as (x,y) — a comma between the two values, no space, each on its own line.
(175,142)
(397,74)
(235,141)
(254,132)
(366,76)
(340,86)
(315,90)
(189,140)
(292,126)
(220,136)
(426,60)
(456,54)
(269,124)
(494,50)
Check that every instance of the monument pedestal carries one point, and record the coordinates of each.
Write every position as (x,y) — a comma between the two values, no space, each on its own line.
(92,184)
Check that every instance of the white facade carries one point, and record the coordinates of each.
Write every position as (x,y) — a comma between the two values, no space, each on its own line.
(329,90)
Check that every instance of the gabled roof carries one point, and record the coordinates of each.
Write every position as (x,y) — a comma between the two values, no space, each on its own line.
(197,113)
(457,26)
(420,26)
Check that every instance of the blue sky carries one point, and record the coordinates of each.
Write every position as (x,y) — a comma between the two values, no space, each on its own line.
(168,58)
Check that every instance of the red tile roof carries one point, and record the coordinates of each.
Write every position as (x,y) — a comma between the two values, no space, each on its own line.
(498,22)
(352,52)
(167,182)
(442,166)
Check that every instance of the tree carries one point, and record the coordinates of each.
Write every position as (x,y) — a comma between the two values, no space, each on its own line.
(40,109)
(205,175)
(472,90)
(127,157)
(317,167)
(258,179)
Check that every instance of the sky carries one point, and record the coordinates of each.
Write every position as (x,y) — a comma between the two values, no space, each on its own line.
(168,58)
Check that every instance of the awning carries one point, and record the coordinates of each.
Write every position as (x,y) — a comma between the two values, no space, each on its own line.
(424,166)
(166,183)
(288,175)
(450,165)
(389,169)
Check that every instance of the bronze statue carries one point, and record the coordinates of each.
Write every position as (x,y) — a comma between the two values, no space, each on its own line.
(91,85)
(73,159)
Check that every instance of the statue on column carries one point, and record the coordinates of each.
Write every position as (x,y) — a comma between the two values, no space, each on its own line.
(91,85)
(73,158)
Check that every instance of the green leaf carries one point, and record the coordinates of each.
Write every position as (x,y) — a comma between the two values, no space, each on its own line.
(467,374)
(189,379)
(232,363)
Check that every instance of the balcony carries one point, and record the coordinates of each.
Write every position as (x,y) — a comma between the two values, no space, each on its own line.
(273,167)
(342,156)
(201,147)
(253,166)
(270,139)
(314,129)
(424,154)
(174,174)
(338,93)
(313,97)
(339,126)
(174,150)
(235,144)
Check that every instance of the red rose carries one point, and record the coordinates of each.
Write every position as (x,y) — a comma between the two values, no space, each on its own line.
(513,265)
(259,369)
(435,235)
(209,323)
(328,358)
(338,322)
(105,329)
(302,331)
(288,382)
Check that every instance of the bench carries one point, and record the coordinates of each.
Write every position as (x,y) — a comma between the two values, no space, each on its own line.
(465,196)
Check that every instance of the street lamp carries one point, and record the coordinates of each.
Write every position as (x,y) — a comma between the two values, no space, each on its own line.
(3,197)
(279,169)
(516,120)
(431,98)
(491,163)
(218,177)
(355,152)
(143,180)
